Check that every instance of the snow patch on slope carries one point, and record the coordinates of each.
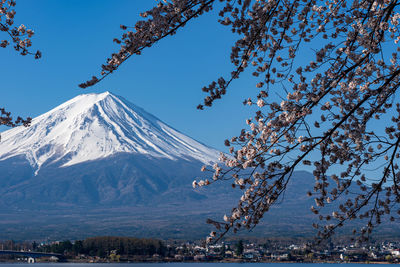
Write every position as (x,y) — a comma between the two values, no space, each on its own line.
(95,126)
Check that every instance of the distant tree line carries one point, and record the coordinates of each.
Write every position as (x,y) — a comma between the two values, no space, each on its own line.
(107,245)
(12,245)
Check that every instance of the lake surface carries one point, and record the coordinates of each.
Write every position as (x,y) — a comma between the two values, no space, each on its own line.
(178,264)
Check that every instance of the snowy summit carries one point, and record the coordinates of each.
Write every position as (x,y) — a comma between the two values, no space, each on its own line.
(94,126)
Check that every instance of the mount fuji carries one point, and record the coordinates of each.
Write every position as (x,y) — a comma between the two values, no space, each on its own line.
(95,126)
(98,149)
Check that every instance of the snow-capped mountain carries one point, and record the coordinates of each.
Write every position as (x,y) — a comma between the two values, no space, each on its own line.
(96,150)
(95,126)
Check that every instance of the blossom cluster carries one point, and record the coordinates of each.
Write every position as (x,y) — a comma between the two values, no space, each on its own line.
(7,120)
(19,36)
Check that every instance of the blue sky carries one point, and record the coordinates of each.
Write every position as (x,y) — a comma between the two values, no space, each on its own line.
(75,38)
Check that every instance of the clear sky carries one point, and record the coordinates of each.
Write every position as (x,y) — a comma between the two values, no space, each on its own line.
(75,38)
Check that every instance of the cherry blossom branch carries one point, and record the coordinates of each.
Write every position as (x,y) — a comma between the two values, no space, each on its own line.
(134,45)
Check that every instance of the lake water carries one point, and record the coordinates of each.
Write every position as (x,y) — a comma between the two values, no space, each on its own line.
(175,264)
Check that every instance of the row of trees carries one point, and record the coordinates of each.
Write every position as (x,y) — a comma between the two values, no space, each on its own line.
(12,245)
(107,245)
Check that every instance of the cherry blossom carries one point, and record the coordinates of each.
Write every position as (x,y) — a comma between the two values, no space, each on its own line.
(19,36)
(334,110)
